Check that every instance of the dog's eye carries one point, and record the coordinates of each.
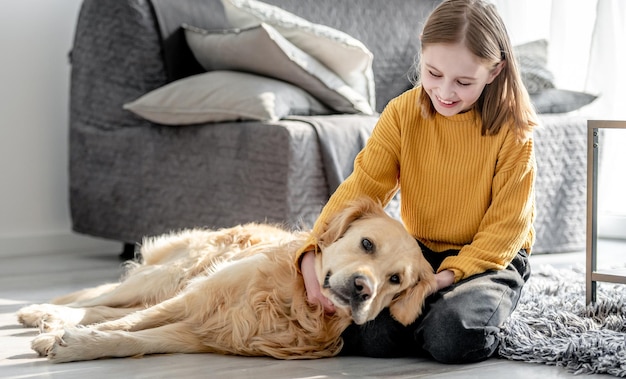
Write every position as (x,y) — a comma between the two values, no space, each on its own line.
(367,245)
(394,279)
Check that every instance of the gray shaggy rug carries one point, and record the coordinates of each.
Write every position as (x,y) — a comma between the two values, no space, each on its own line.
(553,325)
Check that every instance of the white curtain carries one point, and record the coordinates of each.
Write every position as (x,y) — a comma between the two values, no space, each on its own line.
(587,52)
(587,45)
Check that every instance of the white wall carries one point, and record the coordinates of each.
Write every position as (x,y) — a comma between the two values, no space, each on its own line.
(35,39)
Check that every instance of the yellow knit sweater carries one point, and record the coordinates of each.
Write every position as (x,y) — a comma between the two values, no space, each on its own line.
(460,190)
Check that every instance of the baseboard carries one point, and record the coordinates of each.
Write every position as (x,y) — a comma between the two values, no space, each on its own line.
(49,243)
(611,226)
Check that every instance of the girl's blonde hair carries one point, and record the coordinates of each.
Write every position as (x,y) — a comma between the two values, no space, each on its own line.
(479,27)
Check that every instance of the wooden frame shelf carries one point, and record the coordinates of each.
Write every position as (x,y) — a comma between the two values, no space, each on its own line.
(592,274)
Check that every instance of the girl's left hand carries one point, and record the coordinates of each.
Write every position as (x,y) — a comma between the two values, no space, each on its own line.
(444,279)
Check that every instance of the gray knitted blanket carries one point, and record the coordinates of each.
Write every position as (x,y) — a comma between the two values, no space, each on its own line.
(553,325)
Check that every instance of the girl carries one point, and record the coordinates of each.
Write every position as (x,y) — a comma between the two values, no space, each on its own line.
(459,146)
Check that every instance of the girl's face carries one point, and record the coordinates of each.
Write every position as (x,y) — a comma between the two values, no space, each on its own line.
(453,77)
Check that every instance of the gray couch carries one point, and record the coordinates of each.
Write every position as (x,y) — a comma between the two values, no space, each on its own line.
(130,177)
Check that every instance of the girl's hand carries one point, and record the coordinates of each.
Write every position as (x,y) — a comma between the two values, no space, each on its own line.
(313,293)
(444,279)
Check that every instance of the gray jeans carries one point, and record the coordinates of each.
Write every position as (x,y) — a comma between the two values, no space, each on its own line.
(459,324)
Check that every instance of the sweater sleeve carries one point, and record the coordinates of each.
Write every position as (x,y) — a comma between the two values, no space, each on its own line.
(507,225)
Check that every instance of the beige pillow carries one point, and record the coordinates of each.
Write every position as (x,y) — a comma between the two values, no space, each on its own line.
(224,96)
(346,56)
(264,51)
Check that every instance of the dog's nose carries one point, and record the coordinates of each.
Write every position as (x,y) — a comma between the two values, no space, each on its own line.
(362,289)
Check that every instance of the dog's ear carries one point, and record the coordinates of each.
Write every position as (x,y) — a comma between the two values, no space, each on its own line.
(408,306)
(339,223)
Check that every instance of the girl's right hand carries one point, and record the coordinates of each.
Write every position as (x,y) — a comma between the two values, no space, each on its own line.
(312,285)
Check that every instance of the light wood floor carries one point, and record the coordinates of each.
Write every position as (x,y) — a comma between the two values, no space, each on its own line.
(35,278)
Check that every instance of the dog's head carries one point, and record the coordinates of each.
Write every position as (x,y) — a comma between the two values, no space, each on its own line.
(369,261)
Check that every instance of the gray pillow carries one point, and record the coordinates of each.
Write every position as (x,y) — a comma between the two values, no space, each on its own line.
(533,61)
(552,100)
(262,50)
(539,81)
(224,96)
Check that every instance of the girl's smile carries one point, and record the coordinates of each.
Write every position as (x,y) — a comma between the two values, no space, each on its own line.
(446,103)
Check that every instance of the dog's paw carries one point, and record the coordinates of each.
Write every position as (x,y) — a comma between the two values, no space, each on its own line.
(45,343)
(32,315)
(62,345)
(49,317)
(77,344)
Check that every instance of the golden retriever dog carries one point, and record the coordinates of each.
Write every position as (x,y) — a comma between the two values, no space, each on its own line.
(238,291)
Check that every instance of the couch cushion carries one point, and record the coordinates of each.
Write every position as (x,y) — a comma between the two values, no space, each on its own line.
(554,100)
(341,53)
(391,33)
(533,61)
(224,96)
(264,51)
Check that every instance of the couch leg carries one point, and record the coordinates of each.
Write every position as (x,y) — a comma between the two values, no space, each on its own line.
(128,252)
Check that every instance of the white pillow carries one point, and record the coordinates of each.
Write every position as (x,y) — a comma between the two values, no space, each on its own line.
(348,57)
(264,51)
(224,96)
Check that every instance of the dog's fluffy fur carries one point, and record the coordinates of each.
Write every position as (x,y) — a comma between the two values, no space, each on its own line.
(238,291)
